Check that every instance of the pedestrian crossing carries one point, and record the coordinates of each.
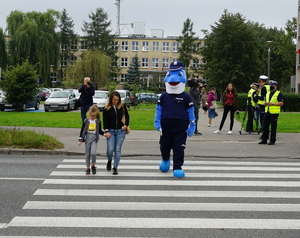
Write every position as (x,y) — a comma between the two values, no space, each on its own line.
(141,201)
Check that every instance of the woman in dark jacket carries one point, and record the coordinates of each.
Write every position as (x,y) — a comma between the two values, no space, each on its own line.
(230,102)
(114,129)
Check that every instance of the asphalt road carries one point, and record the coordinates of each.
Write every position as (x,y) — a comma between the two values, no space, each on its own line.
(47,196)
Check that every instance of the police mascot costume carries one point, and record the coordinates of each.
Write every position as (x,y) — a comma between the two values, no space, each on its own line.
(174,119)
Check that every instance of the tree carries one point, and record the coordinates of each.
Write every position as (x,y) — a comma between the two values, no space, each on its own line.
(3,54)
(231,52)
(20,83)
(94,64)
(188,44)
(66,37)
(99,36)
(33,37)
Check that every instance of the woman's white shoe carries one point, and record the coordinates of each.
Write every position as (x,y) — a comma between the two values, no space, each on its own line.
(217,132)
(229,133)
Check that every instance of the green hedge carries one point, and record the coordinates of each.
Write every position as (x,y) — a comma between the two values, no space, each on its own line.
(291,102)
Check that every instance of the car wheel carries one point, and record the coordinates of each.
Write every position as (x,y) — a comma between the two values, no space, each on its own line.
(68,108)
(46,110)
(37,106)
(144,100)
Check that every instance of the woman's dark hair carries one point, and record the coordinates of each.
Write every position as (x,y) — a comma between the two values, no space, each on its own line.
(108,105)
(233,88)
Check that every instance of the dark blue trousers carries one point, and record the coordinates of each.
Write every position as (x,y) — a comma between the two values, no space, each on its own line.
(173,137)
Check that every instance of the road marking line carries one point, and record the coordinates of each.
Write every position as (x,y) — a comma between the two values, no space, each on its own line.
(187,168)
(175,182)
(150,206)
(192,162)
(190,175)
(140,222)
(169,193)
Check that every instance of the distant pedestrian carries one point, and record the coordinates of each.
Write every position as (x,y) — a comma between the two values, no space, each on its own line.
(204,101)
(89,133)
(211,105)
(115,129)
(273,103)
(262,91)
(230,102)
(87,91)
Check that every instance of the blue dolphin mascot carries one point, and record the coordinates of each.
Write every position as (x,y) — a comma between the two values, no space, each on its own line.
(175,119)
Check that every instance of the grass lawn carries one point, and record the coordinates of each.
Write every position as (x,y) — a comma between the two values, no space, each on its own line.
(141,118)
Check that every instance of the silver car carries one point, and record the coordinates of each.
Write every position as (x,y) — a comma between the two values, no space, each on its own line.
(61,101)
(100,98)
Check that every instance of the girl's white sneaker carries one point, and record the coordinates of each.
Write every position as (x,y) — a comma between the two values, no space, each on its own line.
(217,132)
(229,133)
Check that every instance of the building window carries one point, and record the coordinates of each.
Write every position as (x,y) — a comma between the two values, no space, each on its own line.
(155,46)
(165,63)
(166,47)
(196,63)
(175,46)
(124,46)
(64,47)
(74,45)
(145,62)
(145,46)
(123,78)
(83,45)
(154,62)
(135,46)
(115,45)
(53,77)
(73,60)
(124,62)
(64,61)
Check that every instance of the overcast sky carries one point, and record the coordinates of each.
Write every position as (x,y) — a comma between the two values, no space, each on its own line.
(168,15)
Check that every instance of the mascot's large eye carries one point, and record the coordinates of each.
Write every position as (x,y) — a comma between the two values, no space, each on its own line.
(180,74)
(168,74)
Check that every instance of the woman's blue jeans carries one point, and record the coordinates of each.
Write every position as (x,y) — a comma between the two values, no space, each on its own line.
(114,145)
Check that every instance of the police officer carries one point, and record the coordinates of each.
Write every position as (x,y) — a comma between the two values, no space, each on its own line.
(262,91)
(274,100)
(251,104)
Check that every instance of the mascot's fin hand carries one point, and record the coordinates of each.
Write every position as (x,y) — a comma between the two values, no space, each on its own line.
(157,118)
(190,131)
(178,173)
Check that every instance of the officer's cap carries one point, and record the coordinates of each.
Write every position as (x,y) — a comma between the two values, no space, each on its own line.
(254,84)
(176,65)
(272,82)
(263,77)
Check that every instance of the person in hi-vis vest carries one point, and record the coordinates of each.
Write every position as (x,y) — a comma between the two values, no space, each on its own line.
(251,104)
(261,95)
(274,101)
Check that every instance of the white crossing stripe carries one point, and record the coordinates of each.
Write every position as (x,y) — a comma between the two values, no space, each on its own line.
(193,162)
(187,168)
(150,206)
(163,193)
(190,175)
(175,182)
(141,222)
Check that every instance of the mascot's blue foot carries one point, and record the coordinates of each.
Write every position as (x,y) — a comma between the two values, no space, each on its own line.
(164,166)
(178,173)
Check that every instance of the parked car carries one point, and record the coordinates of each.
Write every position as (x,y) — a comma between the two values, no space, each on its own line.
(61,101)
(34,103)
(44,93)
(77,94)
(100,98)
(147,97)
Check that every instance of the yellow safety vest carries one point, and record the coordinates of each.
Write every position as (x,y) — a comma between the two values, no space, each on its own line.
(272,109)
(261,102)
(250,92)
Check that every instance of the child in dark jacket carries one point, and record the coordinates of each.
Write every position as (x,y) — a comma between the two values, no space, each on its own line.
(89,133)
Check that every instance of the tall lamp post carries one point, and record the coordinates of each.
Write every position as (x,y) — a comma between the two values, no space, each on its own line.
(269,53)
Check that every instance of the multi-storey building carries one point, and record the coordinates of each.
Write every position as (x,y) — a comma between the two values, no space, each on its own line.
(155,53)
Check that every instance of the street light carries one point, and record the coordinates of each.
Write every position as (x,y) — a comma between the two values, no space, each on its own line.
(269,53)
